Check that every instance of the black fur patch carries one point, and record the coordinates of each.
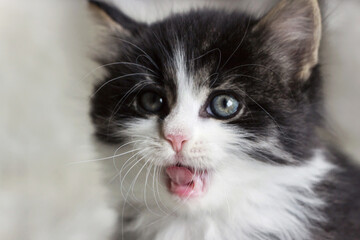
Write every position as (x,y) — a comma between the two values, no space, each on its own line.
(277,103)
(222,44)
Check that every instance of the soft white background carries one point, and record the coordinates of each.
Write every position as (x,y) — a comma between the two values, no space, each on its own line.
(44,125)
(44,88)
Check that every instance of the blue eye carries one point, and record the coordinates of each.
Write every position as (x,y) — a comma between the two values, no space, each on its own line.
(224,106)
(151,102)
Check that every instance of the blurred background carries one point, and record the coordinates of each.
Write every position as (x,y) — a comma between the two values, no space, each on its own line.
(46,76)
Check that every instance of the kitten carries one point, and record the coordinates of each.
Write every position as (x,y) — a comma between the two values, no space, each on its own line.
(214,121)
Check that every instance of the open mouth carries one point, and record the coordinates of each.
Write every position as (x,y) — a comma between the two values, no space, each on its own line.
(185,182)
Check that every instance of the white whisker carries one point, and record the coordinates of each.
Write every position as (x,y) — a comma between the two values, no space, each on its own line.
(116,63)
(137,47)
(120,77)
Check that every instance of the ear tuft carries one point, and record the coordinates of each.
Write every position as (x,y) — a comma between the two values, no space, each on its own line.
(113,18)
(292,30)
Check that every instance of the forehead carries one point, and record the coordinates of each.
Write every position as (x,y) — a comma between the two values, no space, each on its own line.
(202,44)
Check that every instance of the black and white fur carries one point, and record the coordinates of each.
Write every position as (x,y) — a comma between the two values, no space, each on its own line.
(272,174)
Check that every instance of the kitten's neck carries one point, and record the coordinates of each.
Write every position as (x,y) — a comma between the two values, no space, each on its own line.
(283,207)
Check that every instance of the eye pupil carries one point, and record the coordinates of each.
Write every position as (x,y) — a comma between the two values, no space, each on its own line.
(224,103)
(227,103)
(155,99)
(224,106)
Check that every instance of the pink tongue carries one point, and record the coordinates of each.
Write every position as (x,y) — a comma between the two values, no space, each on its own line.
(180,175)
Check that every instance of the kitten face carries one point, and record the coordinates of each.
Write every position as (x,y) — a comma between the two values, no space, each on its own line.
(205,104)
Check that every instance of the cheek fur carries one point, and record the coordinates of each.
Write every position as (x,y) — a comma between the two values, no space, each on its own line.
(206,149)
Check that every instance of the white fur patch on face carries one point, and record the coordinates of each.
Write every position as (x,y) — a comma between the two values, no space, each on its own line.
(184,116)
(246,199)
(260,201)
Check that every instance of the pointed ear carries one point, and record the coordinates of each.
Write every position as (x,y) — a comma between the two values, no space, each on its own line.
(113,18)
(291,32)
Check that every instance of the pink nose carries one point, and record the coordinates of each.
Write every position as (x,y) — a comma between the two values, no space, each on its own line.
(177,141)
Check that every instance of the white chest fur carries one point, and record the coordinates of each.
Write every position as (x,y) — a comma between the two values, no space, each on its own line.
(282,204)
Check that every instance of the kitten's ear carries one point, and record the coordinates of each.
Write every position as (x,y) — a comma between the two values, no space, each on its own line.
(113,18)
(292,32)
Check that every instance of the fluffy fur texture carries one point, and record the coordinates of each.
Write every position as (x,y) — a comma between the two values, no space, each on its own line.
(270,174)
(43,127)
(339,51)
